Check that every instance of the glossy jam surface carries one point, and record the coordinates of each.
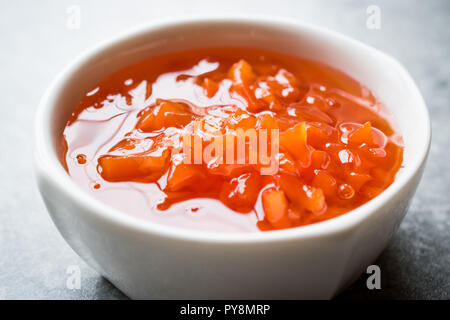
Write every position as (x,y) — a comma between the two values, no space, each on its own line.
(335,148)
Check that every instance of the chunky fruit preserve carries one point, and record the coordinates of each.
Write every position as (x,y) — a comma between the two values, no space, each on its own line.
(230,140)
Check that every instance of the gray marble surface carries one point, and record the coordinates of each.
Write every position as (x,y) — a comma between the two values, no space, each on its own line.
(36,43)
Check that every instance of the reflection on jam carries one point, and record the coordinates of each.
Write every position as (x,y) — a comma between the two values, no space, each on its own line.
(337,149)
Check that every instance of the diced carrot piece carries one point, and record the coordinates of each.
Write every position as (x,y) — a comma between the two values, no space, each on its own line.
(317,137)
(211,87)
(325,182)
(242,75)
(294,141)
(292,186)
(281,89)
(243,120)
(272,101)
(125,168)
(276,207)
(155,163)
(241,193)
(302,195)
(314,198)
(362,135)
(319,159)
(286,163)
(185,176)
(268,122)
(241,72)
(357,180)
(165,114)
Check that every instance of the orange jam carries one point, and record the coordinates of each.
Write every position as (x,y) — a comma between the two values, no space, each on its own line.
(231,140)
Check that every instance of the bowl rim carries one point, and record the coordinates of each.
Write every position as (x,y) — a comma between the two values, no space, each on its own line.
(47,164)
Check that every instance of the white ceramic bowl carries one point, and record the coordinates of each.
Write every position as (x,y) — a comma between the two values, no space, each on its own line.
(147,260)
